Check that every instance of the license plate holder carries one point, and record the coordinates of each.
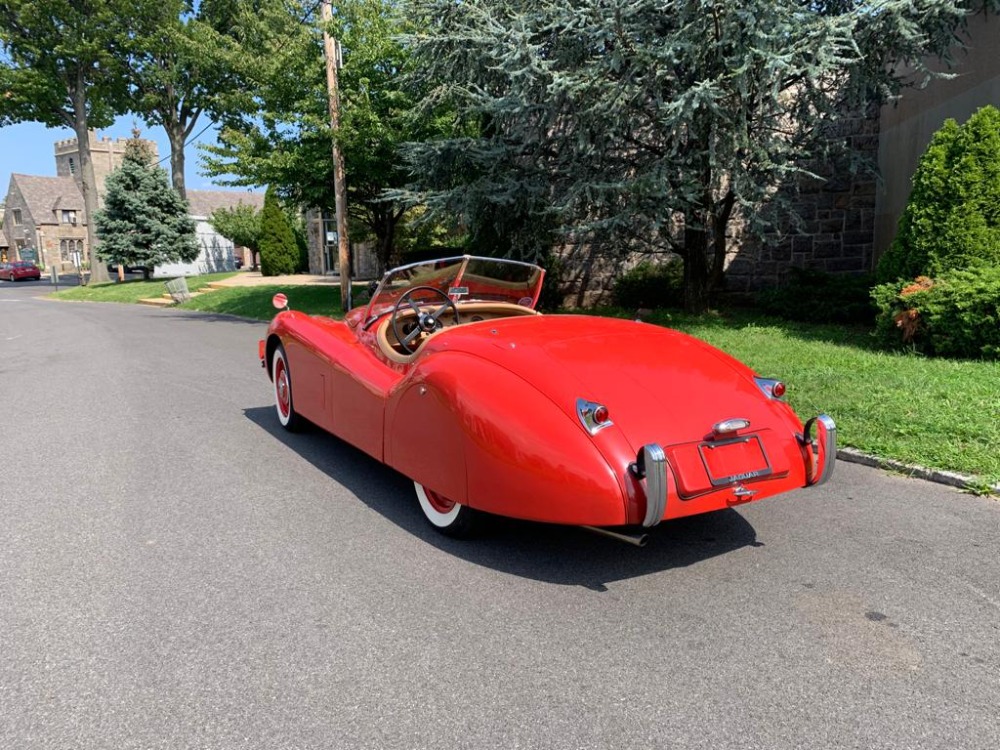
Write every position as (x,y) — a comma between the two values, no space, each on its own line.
(722,457)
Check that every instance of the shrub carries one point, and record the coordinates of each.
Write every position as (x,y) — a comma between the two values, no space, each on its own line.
(956,314)
(279,254)
(952,218)
(813,296)
(651,285)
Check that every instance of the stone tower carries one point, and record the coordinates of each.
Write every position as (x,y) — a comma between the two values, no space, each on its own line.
(105,153)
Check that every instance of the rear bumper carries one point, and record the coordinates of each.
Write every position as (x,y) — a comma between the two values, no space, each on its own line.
(653,470)
(823,449)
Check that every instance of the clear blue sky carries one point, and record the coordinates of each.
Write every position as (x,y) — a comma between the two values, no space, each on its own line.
(28,149)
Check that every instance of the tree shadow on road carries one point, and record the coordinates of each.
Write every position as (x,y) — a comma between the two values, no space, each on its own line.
(563,555)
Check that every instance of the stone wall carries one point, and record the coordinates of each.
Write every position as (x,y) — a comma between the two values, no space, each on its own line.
(837,229)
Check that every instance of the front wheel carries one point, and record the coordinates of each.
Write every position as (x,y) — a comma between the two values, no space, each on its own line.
(283,404)
(447,516)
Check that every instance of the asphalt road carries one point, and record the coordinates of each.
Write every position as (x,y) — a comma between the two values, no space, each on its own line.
(177,572)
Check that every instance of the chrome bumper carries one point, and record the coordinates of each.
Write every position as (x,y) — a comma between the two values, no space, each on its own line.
(651,467)
(824,447)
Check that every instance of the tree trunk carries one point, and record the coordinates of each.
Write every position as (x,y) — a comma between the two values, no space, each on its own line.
(384,227)
(696,269)
(88,182)
(175,134)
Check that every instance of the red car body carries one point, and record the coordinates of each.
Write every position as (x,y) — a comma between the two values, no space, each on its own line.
(566,419)
(20,269)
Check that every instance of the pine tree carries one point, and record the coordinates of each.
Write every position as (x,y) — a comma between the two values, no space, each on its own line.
(279,253)
(144,221)
(647,124)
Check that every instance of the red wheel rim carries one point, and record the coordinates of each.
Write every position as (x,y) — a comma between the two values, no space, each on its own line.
(281,387)
(440,504)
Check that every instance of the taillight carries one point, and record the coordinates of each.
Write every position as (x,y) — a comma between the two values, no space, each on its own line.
(770,387)
(593,416)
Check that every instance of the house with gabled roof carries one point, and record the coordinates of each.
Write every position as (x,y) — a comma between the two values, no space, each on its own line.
(44,220)
(217,253)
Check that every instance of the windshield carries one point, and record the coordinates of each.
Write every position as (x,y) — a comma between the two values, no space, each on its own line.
(463,279)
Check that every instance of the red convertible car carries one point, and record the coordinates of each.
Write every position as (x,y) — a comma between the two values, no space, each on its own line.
(450,376)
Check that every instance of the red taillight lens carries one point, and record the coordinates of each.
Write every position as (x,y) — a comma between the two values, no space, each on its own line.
(601,414)
(778,389)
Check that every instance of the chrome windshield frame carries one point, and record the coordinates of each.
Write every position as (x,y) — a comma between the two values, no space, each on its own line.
(371,317)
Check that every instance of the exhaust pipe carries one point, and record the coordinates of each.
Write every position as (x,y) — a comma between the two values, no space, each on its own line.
(638,540)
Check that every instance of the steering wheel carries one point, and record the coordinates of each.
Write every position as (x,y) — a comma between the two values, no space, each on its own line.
(425,322)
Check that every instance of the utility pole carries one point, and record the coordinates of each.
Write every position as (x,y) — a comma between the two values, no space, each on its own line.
(331,48)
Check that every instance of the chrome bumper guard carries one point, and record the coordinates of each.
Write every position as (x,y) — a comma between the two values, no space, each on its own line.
(824,444)
(651,465)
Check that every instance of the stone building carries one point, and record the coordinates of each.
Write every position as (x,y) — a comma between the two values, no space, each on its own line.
(44,220)
(105,154)
(849,219)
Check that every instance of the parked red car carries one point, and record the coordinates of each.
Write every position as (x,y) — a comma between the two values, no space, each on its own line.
(19,269)
(450,376)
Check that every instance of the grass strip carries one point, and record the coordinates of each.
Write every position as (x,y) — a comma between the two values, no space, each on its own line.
(255,301)
(132,291)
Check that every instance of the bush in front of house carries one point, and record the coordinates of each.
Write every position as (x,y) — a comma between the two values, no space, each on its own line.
(812,296)
(956,314)
(279,252)
(651,285)
(952,218)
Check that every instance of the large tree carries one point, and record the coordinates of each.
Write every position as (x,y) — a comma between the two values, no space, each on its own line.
(652,122)
(191,65)
(63,64)
(144,221)
(284,139)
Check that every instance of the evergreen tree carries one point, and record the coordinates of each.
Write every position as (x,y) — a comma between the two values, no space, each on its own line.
(650,123)
(144,221)
(279,252)
(952,219)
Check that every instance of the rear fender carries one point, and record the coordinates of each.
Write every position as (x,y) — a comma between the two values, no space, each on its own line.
(483,436)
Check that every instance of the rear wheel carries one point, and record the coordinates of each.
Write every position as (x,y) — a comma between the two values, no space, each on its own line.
(283,404)
(447,516)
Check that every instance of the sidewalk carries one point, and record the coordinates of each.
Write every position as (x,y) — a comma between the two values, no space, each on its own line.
(250,278)
(254,278)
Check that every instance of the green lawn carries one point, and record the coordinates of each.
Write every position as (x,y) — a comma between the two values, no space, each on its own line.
(131,291)
(255,301)
(938,413)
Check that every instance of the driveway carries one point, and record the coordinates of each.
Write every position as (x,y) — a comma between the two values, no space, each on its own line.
(177,572)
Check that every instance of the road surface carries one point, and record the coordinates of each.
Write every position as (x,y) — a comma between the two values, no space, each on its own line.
(177,572)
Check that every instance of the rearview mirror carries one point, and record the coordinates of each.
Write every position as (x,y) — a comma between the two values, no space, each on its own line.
(280,301)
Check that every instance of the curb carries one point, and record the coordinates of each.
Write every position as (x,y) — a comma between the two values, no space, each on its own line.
(950,478)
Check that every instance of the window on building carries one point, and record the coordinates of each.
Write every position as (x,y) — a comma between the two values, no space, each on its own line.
(72,166)
(17,217)
(68,217)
